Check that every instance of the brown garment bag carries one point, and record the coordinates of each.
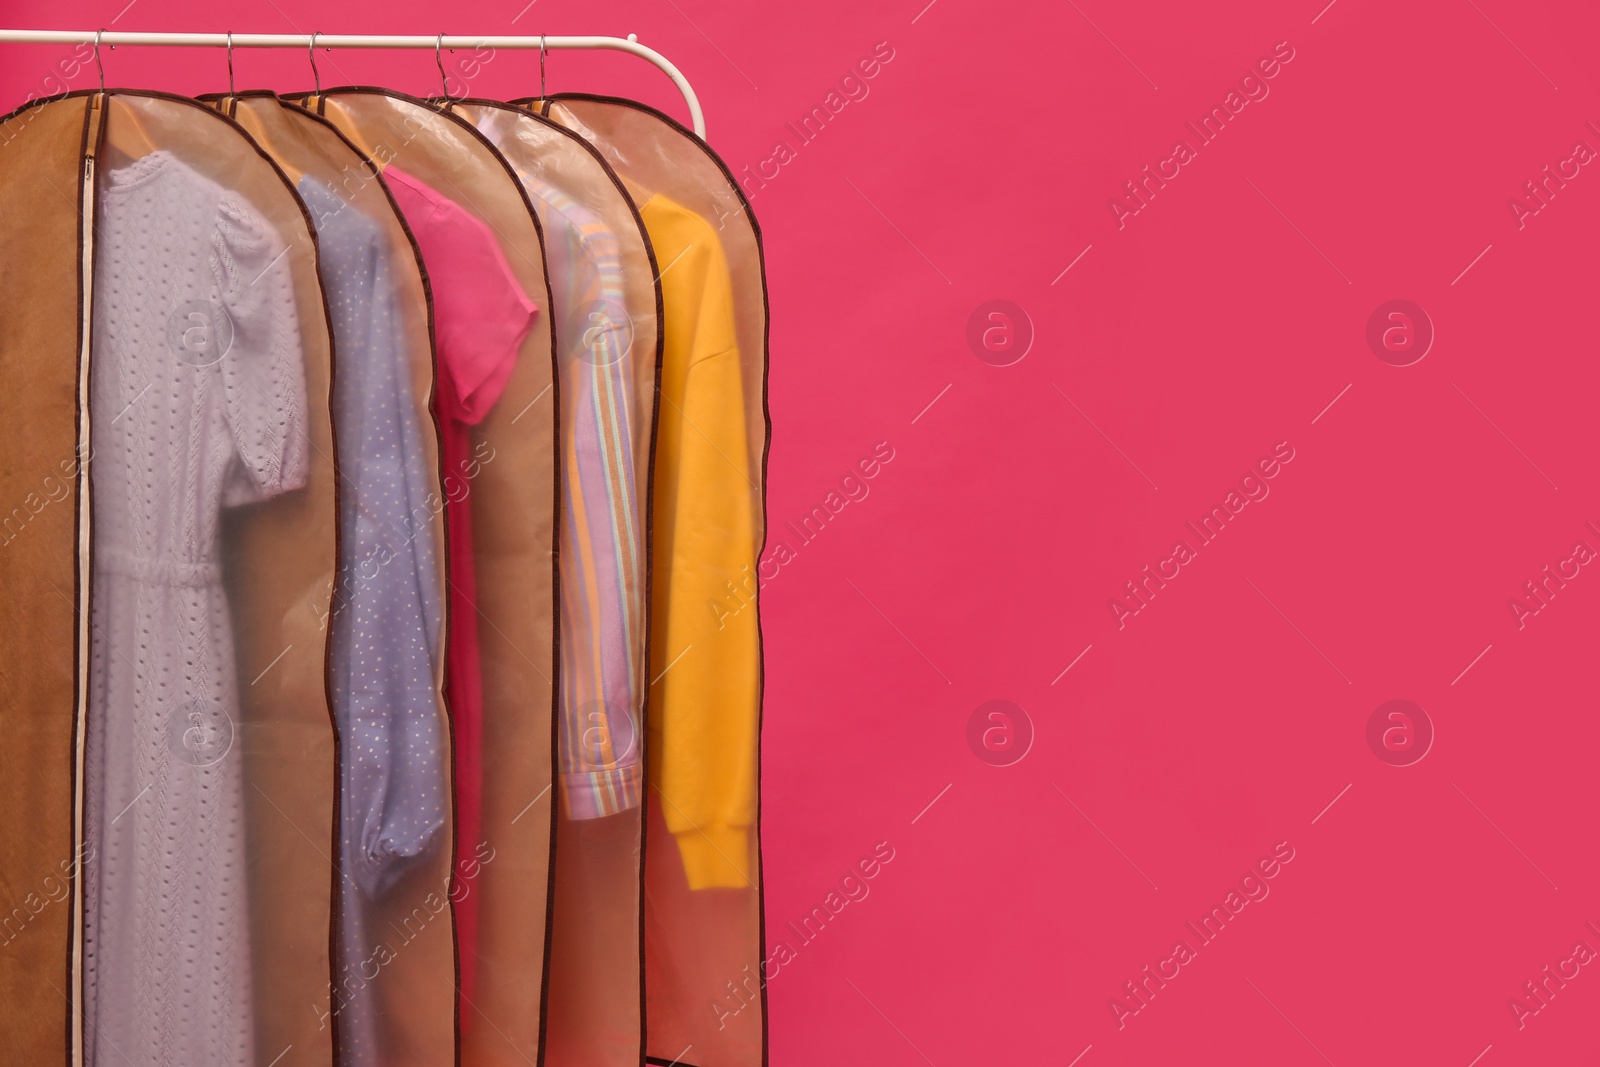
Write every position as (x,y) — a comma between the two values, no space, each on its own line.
(503,879)
(704,961)
(166,359)
(393,923)
(596,985)
(41,170)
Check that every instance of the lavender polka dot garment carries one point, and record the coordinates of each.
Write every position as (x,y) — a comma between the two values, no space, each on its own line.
(386,614)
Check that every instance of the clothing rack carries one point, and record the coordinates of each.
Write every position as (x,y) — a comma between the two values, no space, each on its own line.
(438,42)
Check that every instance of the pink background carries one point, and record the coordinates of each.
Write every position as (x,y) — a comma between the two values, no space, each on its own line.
(1229,714)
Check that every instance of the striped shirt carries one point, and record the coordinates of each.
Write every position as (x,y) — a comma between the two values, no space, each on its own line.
(602,550)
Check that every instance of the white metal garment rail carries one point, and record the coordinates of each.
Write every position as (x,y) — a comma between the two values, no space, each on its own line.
(629,44)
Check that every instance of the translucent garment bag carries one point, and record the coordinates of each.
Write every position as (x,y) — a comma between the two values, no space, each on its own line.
(386,621)
(705,959)
(166,360)
(605,298)
(496,405)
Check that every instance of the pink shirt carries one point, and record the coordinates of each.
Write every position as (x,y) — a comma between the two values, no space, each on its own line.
(480,316)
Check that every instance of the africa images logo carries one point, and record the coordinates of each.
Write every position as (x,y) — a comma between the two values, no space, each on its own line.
(199,332)
(199,732)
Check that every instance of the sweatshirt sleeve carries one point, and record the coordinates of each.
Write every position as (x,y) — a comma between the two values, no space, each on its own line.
(706,649)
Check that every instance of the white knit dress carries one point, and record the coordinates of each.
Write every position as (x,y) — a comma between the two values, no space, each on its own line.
(197,402)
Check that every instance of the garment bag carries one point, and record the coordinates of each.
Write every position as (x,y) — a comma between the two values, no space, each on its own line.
(175,735)
(603,281)
(705,960)
(497,409)
(387,614)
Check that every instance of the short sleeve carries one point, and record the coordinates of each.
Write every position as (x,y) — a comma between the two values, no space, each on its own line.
(263,376)
(481,313)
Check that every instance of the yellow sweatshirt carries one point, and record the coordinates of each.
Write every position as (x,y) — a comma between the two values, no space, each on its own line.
(705,648)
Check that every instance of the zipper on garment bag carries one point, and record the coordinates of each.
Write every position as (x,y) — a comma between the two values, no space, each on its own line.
(87,205)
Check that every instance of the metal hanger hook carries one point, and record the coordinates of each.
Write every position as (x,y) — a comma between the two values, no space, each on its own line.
(311,50)
(438,57)
(230,62)
(97,65)
(541,66)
